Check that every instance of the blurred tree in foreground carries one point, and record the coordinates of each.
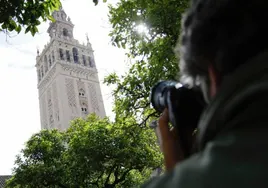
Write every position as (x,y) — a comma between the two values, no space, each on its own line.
(16,14)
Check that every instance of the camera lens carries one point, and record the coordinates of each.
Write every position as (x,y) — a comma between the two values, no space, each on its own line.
(158,94)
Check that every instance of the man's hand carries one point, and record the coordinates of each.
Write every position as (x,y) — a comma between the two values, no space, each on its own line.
(170,142)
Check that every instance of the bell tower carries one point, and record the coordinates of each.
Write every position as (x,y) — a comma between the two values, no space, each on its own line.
(63,27)
(68,81)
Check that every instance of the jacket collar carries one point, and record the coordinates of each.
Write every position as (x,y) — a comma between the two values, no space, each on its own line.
(243,83)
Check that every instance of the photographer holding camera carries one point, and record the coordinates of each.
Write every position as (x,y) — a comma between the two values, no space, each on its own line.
(224,55)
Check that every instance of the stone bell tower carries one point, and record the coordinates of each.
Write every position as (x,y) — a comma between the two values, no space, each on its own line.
(68,82)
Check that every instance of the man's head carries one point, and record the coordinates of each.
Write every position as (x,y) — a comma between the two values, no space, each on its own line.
(218,36)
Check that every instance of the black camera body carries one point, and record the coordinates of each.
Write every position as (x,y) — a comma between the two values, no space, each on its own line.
(184,106)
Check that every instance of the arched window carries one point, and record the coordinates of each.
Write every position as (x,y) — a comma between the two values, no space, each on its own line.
(49,60)
(81,92)
(63,16)
(65,32)
(70,33)
(84,60)
(91,62)
(49,102)
(68,55)
(39,75)
(57,116)
(84,108)
(53,57)
(61,54)
(42,72)
(75,54)
(45,60)
(51,120)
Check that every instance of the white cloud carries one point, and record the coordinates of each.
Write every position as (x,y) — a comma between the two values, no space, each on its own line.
(19,106)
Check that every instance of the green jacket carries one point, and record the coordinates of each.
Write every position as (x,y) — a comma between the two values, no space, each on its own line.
(232,138)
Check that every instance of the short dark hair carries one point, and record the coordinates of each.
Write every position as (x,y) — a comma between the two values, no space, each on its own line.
(225,33)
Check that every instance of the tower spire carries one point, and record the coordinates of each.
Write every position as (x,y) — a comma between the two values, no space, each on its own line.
(88,43)
(38,52)
(87,38)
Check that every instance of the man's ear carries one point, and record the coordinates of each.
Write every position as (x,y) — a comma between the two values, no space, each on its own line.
(214,80)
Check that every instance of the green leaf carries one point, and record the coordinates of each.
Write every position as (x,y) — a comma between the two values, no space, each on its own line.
(95,2)
(37,22)
(123,45)
(28,29)
(51,18)
(4,26)
(35,29)
(12,23)
(18,28)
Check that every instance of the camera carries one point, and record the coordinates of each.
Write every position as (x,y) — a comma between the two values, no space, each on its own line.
(159,99)
(185,106)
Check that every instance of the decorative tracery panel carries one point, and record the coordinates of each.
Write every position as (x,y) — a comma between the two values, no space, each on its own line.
(93,97)
(71,94)
(55,101)
(44,112)
(80,85)
(50,108)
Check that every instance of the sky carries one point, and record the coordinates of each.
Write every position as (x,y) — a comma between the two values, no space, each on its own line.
(19,105)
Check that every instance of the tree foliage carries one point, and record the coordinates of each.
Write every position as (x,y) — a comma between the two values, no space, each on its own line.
(91,153)
(16,14)
(152,50)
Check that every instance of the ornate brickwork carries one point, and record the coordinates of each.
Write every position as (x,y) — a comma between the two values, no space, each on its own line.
(50,108)
(80,85)
(44,112)
(55,102)
(79,71)
(43,84)
(93,97)
(71,94)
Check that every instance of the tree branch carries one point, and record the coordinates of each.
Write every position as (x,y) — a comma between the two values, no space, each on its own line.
(94,183)
(116,174)
(100,176)
(61,185)
(141,107)
(123,177)
(146,119)
(54,183)
(111,171)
